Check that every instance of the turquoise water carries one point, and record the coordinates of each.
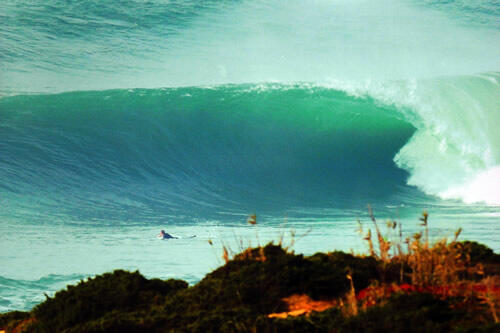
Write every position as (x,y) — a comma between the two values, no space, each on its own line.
(122,118)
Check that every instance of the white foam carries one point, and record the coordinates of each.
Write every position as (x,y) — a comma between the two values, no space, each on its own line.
(455,151)
(485,187)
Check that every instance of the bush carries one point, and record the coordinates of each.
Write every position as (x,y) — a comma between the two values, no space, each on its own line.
(479,252)
(418,312)
(9,319)
(239,296)
(120,290)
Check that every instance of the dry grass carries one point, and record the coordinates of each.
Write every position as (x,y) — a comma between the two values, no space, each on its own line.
(251,254)
(443,268)
(441,263)
(490,296)
(244,248)
(349,303)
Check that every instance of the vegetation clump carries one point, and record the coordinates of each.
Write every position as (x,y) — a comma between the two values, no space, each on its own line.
(405,285)
(10,320)
(120,291)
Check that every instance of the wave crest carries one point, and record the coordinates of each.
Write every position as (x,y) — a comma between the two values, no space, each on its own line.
(456,140)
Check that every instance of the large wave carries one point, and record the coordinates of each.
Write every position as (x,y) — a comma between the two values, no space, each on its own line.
(231,147)
(395,92)
(144,153)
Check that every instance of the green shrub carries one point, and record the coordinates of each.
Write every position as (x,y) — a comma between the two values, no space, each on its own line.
(89,300)
(405,313)
(479,252)
(238,297)
(235,295)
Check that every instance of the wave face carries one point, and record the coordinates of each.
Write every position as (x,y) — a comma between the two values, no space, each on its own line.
(146,153)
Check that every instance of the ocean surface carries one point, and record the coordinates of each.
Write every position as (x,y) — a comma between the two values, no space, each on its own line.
(124,117)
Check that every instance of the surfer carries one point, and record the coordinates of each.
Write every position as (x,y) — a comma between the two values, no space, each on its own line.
(164,235)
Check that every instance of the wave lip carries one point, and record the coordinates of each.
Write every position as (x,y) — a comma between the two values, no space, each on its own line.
(456,138)
(457,144)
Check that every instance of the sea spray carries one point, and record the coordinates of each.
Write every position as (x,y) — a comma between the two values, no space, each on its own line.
(51,46)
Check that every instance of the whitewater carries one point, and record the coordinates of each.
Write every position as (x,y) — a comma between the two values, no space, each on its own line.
(121,118)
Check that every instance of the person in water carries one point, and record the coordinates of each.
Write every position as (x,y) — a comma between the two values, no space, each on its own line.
(164,235)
